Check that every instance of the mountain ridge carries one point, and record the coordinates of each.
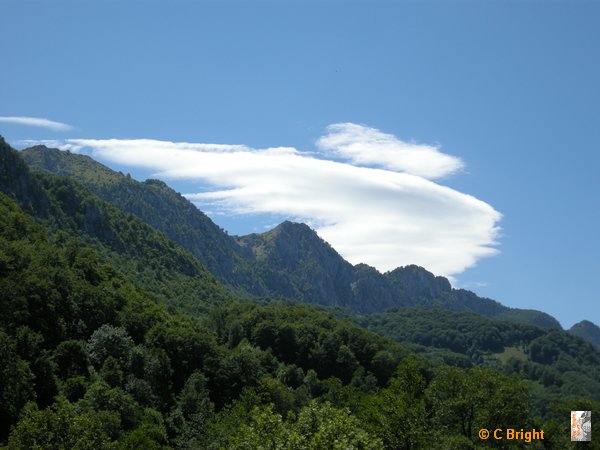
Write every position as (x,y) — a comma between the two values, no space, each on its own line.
(289,261)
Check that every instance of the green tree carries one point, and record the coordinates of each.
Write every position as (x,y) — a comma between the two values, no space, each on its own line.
(266,431)
(281,396)
(400,411)
(71,359)
(16,384)
(192,411)
(463,401)
(318,427)
(321,426)
(186,344)
(101,397)
(150,434)
(109,340)
(61,427)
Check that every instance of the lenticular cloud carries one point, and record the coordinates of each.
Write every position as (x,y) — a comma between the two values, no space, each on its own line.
(368,146)
(370,195)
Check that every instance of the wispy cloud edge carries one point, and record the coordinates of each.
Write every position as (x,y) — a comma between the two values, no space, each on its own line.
(36,122)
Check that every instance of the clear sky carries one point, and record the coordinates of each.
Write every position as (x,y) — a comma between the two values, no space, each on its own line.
(463,136)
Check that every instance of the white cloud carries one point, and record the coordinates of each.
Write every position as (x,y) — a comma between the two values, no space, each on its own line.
(371,215)
(366,146)
(36,122)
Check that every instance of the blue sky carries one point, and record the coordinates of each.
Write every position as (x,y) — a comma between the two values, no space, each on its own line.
(508,89)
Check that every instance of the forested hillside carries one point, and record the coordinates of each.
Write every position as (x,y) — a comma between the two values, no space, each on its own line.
(89,360)
(153,202)
(564,364)
(137,249)
(289,261)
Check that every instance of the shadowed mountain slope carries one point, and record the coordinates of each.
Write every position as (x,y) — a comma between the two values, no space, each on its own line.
(152,201)
(134,247)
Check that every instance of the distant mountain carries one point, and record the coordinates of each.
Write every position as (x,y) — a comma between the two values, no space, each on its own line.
(307,268)
(588,331)
(289,261)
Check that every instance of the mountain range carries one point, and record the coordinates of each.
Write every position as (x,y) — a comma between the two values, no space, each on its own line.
(289,261)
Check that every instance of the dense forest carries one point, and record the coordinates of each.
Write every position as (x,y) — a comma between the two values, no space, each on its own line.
(558,361)
(113,336)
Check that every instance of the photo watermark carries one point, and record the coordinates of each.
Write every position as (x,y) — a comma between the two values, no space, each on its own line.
(581,425)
